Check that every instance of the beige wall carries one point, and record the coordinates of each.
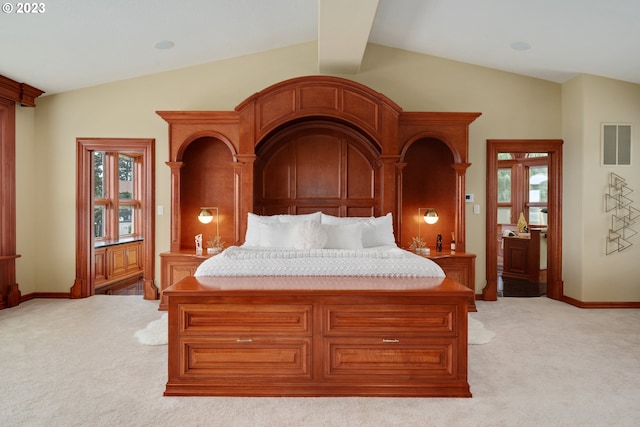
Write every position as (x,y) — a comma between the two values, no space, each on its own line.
(27,216)
(512,106)
(589,274)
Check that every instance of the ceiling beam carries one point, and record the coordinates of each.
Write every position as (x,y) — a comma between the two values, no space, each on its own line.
(343,33)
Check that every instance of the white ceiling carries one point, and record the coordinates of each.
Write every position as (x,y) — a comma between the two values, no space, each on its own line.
(81,43)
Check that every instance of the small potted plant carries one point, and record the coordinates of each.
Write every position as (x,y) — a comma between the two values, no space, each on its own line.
(214,244)
(419,246)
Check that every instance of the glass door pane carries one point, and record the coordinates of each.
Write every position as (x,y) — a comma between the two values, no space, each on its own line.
(504,215)
(538,194)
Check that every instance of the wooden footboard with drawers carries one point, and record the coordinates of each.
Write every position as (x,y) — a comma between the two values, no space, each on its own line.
(265,336)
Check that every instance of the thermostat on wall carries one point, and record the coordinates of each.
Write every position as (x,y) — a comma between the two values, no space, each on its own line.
(468,198)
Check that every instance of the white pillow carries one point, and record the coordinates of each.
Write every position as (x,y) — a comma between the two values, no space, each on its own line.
(376,231)
(309,235)
(343,236)
(252,236)
(277,234)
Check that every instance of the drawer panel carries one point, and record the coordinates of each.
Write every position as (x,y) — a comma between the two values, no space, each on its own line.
(207,319)
(246,358)
(374,319)
(374,358)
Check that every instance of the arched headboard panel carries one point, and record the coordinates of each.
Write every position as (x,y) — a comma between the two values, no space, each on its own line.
(326,96)
(317,166)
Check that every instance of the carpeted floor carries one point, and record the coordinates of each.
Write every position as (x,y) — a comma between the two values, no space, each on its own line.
(156,332)
(77,363)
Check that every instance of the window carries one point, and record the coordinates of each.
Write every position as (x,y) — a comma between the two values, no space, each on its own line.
(616,144)
(538,194)
(504,196)
(116,195)
(522,187)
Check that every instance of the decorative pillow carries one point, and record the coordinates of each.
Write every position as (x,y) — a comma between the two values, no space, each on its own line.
(343,236)
(376,231)
(252,237)
(309,235)
(277,234)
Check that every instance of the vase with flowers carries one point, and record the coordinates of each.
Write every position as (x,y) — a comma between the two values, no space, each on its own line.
(419,246)
(214,244)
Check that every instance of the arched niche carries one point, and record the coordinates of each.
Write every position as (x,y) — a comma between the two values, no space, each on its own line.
(429,181)
(207,180)
(317,165)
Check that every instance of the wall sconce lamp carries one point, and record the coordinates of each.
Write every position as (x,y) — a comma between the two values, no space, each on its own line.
(430,216)
(205,216)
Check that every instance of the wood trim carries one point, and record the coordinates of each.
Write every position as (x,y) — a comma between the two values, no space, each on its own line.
(553,147)
(83,285)
(45,295)
(599,304)
(9,290)
(21,93)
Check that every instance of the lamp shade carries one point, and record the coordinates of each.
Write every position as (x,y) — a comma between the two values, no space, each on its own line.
(205,216)
(431,216)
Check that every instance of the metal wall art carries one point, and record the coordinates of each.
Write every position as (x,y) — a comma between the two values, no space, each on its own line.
(623,214)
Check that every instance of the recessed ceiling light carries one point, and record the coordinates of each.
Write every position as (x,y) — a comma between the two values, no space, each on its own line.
(164,44)
(520,46)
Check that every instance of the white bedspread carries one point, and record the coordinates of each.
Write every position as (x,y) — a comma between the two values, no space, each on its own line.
(380,261)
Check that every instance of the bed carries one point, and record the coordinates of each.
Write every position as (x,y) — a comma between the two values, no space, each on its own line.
(309,151)
(314,305)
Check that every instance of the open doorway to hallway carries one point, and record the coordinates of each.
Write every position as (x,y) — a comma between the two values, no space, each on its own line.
(522,196)
(524,162)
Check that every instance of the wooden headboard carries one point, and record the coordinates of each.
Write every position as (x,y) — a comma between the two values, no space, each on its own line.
(317,143)
(316,166)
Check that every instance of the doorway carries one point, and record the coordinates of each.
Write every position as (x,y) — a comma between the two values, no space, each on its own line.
(553,149)
(87,208)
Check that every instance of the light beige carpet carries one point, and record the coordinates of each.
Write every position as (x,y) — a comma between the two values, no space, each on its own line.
(156,332)
(77,363)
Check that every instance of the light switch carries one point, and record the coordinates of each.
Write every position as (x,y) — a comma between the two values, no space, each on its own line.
(160,210)
(476,209)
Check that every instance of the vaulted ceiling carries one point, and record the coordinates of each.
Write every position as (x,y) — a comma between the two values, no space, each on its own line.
(73,44)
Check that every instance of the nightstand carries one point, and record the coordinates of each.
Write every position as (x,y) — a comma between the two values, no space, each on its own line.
(175,266)
(459,266)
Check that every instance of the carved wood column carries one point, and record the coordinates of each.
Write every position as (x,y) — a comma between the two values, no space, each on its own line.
(8,255)
(387,184)
(399,187)
(460,221)
(10,93)
(175,204)
(244,184)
